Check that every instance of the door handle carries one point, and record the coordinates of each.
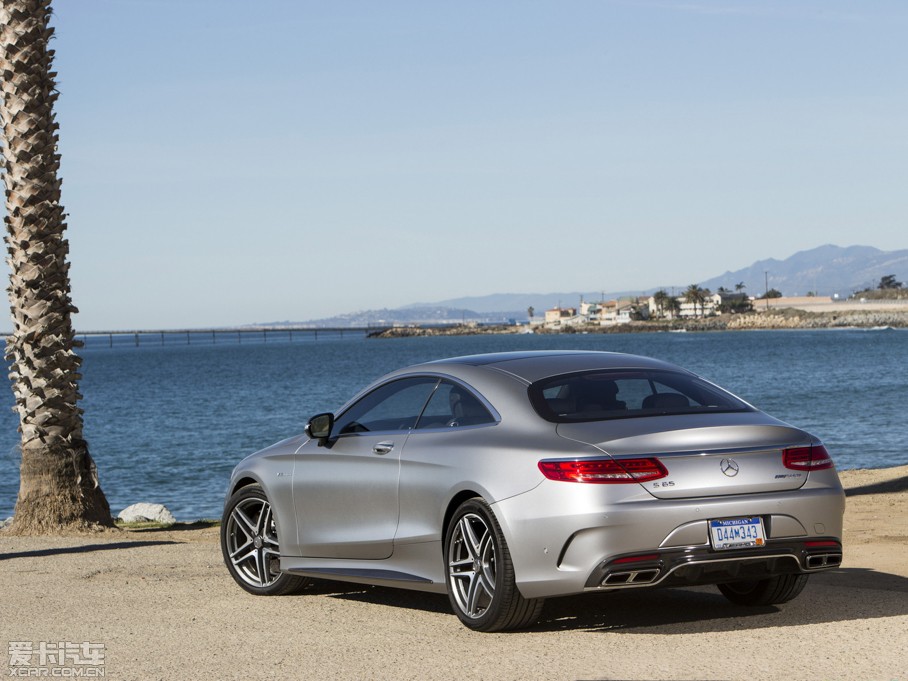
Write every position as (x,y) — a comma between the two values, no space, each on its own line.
(383,448)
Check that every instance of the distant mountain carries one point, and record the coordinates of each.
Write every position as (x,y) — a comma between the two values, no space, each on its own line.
(427,314)
(517,303)
(825,270)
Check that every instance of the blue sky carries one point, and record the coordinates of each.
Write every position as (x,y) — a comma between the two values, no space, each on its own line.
(232,162)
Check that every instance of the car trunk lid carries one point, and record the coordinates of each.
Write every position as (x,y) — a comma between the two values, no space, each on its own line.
(705,455)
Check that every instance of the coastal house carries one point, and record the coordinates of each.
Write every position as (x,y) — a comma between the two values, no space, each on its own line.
(658,312)
(715,303)
(610,312)
(592,311)
(689,309)
(617,312)
(628,311)
(606,313)
(732,301)
(559,316)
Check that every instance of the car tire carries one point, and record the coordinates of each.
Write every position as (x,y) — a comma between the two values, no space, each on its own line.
(480,575)
(249,543)
(771,591)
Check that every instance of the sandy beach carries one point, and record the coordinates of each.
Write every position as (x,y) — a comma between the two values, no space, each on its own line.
(161,604)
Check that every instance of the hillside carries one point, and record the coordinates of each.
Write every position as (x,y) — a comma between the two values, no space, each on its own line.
(826,270)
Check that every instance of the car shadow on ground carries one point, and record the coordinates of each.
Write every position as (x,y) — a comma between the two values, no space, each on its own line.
(885,487)
(84,548)
(395,598)
(845,594)
(176,527)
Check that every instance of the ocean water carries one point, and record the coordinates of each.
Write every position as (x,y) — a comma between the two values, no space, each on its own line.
(167,423)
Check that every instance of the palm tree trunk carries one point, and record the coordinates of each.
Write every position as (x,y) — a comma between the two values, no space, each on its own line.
(59,484)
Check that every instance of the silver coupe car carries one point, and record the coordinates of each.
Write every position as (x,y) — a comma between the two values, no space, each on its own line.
(504,479)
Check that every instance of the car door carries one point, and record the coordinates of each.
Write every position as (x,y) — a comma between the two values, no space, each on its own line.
(441,450)
(345,493)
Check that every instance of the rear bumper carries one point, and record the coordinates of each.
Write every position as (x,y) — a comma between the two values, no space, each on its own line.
(563,536)
(702,565)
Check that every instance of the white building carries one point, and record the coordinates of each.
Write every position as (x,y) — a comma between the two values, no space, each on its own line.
(558,316)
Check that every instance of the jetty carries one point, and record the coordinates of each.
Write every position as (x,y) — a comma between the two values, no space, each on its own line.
(242,334)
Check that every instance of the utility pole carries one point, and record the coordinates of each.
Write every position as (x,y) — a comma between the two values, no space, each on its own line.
(766,287)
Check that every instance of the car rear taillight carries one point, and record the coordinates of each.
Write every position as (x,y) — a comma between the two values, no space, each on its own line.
(813,458)
(603,471)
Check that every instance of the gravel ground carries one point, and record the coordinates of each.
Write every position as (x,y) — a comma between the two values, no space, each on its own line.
(163,606)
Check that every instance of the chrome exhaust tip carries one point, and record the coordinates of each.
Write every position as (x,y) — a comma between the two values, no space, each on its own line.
(816,561)
(631,577)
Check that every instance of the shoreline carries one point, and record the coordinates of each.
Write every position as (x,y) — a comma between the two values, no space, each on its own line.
(775,319)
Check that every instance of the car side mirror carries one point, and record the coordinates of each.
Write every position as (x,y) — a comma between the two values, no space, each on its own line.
(319,427)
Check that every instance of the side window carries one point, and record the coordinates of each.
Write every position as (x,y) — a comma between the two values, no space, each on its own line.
(393,406)
(452,405)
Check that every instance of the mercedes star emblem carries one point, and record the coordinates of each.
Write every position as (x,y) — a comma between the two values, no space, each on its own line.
(729,467)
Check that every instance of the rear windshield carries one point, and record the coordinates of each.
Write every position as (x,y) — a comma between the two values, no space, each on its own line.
(618,394)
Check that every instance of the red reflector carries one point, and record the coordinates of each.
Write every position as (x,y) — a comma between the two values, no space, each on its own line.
(813,458)
(817,544)
(603,471)
(636,559)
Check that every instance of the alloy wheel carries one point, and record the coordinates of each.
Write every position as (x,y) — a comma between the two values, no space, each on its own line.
(251,542)
(472,566)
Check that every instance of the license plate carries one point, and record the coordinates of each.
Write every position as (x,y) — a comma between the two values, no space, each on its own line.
(737,533)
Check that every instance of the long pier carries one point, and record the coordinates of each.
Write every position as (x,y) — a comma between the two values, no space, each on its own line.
(242,334)
(138,337)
